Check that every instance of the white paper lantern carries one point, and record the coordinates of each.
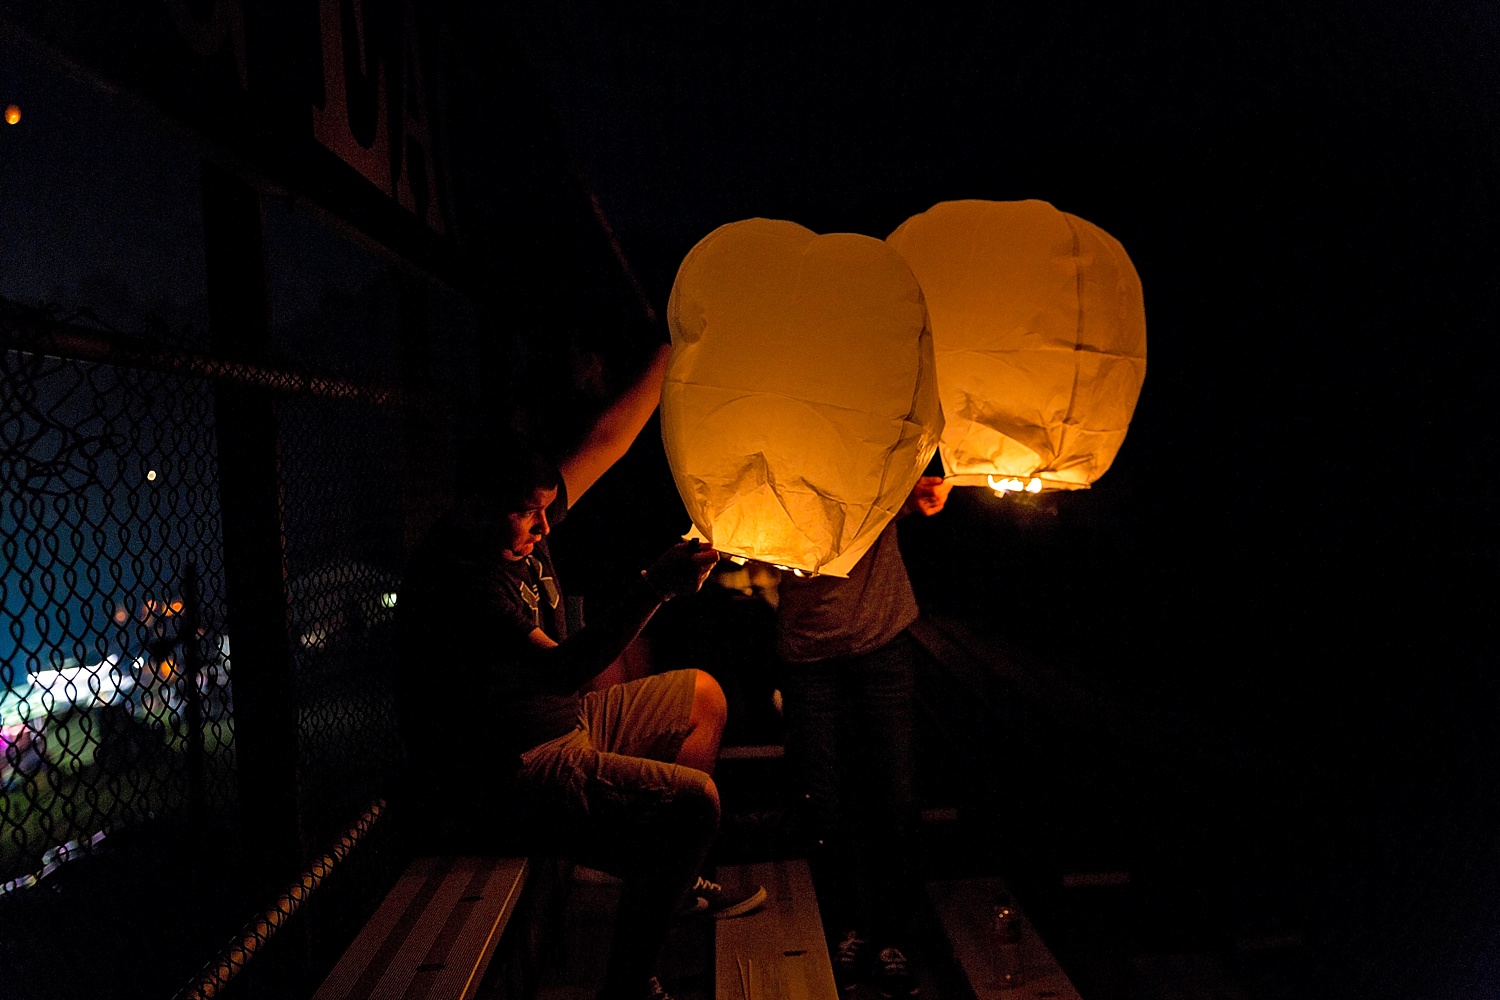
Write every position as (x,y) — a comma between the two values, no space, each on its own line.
(800,403)
(1040,333)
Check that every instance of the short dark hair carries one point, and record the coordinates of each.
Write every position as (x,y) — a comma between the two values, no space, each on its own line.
(505,471)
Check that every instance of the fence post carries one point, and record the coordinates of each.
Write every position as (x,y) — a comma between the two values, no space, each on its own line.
(262,676)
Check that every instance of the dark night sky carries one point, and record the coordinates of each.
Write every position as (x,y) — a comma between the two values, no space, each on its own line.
(685,119)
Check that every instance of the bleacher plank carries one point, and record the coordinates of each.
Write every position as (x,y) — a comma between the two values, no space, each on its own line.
(777,952)
(434,933)
(965,909)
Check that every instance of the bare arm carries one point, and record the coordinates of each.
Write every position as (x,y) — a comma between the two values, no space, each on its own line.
(616,428)
(568,665)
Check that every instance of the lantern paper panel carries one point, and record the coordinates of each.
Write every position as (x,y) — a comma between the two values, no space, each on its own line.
(1040,334)
(800,402)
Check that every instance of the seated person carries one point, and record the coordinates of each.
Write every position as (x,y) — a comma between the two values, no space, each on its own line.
(618,778)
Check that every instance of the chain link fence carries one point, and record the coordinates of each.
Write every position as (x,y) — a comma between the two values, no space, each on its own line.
(122,829)
(113,596)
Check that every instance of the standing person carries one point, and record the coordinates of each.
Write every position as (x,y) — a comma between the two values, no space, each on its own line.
(617,778)
(847,685)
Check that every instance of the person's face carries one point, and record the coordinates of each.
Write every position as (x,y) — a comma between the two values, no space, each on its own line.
(525,527)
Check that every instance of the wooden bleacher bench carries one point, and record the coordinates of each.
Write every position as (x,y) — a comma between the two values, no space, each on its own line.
(434,934)
(964,908)
(777,952)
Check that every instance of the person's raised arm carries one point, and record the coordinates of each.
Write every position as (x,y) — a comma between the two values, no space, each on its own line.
(616,428)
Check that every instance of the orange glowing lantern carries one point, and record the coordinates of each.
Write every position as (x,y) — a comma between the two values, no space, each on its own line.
(12,114)
(800,403)
(1040,334)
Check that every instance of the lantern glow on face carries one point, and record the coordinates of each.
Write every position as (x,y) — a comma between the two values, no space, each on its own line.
(800,403)
(1039,329)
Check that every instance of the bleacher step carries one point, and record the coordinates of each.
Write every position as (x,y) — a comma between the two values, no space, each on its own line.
(777,952)
(965,908)
(434,934)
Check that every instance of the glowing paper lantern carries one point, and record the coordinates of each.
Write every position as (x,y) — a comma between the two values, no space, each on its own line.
(800,403)
(1040,334)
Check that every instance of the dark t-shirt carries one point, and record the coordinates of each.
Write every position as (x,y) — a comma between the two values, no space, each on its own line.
(822,617)
(465,614)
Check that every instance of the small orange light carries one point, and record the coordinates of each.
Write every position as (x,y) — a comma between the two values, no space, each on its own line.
(12,114)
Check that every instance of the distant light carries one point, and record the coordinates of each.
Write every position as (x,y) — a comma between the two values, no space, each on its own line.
(150,475)
(12,114)
(387,600)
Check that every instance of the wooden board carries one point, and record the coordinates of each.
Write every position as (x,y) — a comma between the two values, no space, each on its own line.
(434,933)
(965,908)
(777,952)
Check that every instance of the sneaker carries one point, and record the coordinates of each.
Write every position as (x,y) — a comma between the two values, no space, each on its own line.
(894,975)
(716,901)
(849,960)
(691,906)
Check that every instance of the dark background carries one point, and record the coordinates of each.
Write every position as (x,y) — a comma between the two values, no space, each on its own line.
(1292,559)
(1294,552)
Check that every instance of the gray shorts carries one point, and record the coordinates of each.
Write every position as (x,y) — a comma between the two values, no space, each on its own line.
(616,767)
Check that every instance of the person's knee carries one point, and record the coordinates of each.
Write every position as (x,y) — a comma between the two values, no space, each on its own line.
(710,707)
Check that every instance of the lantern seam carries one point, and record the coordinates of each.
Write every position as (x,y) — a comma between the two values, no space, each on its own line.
(1077,326)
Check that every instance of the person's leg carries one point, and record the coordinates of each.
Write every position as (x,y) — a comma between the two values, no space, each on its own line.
(663,847)
(647,821)
(677,717)
(814,710)
(706,721)
(881,692)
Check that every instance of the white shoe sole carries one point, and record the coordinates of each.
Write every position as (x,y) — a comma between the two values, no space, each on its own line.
(743,907)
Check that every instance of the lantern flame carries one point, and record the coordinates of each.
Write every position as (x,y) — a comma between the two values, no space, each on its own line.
(1013,485)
